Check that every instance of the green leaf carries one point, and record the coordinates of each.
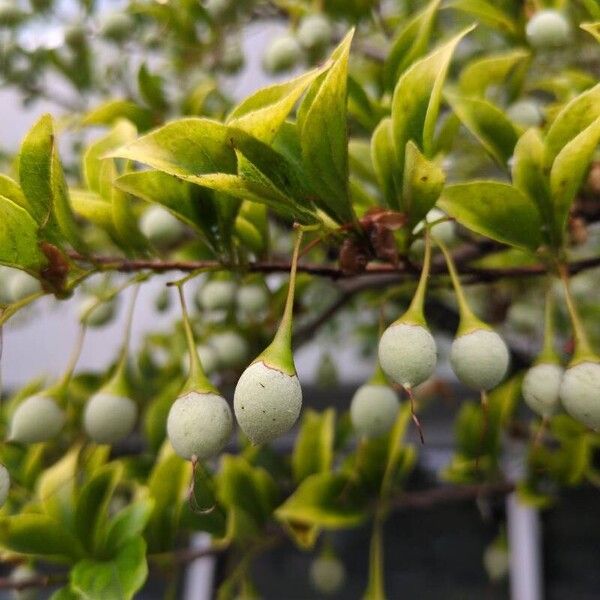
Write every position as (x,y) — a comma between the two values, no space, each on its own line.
(410,43)
(92,505)
(326,500)
(40,535)
(313,451)
(152,88)
(576,116)
(127,524)
(422,184)
(492,128)
(568,171)
(265,111)
(324,138)
(496,210)
(92,207)
(43,182)
(65,593)
(121,133)
(592,28)
(112,111)
(487,13)
(10,189)
(480,73)
(18,238)
(383,155)
(119,578)
(417,97)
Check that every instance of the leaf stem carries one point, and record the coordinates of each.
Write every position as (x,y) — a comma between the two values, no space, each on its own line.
(376,587)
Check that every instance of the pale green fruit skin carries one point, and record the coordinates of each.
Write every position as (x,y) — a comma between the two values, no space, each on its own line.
(4,485)
(314,32)
(282,54)
(109,418)
(580,393)
(231,348)
(496,562)
(22,284)
(407,353)
(100,316)
(200,425)
(208,359)
(541,386)
(526,113)
(266,402)
(327,574)
(479,359)
(160,226)
(548,29)
(217,295)
(20,574)
(252,299)
(373,409)
(5,275)
(36,419)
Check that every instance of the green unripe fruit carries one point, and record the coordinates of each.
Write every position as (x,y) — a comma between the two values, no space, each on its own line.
(6,274)
(109,418)
(36,419)
(541,386)
(253,299)
(75,36)
(327,574)
(208,359)
(231,348)
(162,302)
(548,29)
(117,27)
(526,113)
(282,54)
(217,295)
(22,284)
(407,353)
(19,575)
(373,409)
(496,561)
(580,393)
(4,485)
(100,316)
(479,359)
(199,424)
(266,402)
(161,227)
(314,32)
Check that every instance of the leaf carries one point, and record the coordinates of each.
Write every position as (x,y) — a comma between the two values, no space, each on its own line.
(92,207)
(43,182)
(528,177)
(10,189)
(92,505)
(18,238)
(576,116)
(127,524)
(422,183)
(592,28)
(417,97)
(410,43)
(492,128)
(323,135)
(38,534)
(479,74)
(265,111)
(119,578)
(112,111)
(383,155)
(496,210)
(123,132)
(487,13)
(568,171)
(325,500)
(65,593)
(313,451)
(151,88)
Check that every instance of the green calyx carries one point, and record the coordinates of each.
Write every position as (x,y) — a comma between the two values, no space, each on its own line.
(278,354)
(378,377)
(469,322)
(197,380)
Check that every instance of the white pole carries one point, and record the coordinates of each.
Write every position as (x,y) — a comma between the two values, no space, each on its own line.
(200,573)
